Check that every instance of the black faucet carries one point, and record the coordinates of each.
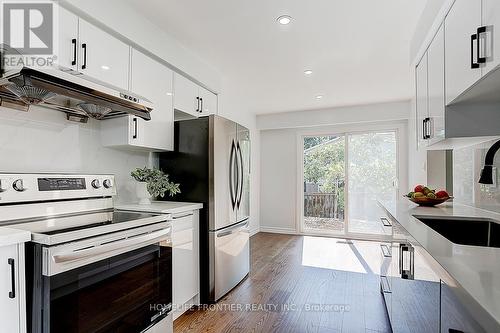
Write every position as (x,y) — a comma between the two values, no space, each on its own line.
(487,172)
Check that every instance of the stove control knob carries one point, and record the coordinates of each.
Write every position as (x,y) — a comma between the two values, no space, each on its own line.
(96,183)
(18,185)
(1,188)
(107,183)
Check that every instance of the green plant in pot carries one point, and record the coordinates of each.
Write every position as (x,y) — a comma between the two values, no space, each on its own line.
(153,183)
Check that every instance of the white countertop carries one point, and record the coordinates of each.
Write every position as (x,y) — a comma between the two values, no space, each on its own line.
(476,268)
(161,207)
(9,236)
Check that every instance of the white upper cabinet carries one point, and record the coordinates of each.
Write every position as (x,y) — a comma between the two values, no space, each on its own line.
(193,99)
(490,40)
(67,52)
(436,87)
(422,102)
(208,102)
(186,95)
(462,67)
(153,81)
(103,56)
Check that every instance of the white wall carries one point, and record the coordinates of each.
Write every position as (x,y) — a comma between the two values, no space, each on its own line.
(279,155)
(44,141)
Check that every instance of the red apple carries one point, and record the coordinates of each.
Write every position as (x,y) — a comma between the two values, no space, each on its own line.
(442,194)
(419,188)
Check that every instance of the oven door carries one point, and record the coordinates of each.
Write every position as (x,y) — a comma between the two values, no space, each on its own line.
(129,291)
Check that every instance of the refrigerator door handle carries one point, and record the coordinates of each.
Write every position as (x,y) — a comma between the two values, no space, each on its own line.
(241,171)
(231,175)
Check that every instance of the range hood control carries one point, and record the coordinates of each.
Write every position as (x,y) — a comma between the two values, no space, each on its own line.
(96,183)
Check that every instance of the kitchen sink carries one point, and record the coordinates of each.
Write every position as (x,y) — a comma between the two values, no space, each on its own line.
(466,231)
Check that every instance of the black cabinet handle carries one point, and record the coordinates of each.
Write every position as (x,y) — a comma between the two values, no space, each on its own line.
(480,60)
(84,47)
(135,128)
(428,128)
(198,104)
(424,128)
(201,108)
(407,274)
(73,41)
(12,294)
(473,64)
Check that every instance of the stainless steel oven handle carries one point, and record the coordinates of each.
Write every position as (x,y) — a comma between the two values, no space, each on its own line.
(141,240)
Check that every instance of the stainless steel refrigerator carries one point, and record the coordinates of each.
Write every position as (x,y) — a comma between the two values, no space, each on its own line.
(211,162)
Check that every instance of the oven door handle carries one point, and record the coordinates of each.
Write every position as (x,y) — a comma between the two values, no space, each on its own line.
(108,248)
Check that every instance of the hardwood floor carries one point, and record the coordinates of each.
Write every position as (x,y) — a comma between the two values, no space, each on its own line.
(300,284)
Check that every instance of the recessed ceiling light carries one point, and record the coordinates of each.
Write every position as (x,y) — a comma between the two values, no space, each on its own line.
(105,67)
(319,96)
(284,19)
(308,72)
(169,94)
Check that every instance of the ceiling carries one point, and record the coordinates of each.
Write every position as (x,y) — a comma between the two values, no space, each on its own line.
(358,50)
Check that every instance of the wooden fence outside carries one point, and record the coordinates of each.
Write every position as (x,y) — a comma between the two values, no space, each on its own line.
(323,205)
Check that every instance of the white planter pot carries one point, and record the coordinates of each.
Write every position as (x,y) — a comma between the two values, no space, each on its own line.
(141,190)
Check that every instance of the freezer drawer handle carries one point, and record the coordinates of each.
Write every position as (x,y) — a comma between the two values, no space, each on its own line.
(230,230)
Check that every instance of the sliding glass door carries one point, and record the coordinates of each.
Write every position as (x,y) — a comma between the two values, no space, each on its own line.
(343,177)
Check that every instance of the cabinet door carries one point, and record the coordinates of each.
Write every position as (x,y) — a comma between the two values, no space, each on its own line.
(10,316)
(153,81)
(435,63)
(415,291)
(103,56)
(186,97)
(454,316)
(185,257)
(491,20)
(460,24)
(68,39)
(422,101)
(208,102)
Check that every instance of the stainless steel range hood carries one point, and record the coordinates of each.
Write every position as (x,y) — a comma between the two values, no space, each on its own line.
(71,92)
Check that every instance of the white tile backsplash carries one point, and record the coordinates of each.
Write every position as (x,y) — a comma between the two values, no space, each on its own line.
(467,165)
(42,140)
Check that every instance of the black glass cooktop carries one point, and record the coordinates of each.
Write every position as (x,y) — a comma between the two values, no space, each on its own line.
(64,224)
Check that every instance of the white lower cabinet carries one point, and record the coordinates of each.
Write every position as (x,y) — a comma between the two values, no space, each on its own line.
(185,261)
(12,291)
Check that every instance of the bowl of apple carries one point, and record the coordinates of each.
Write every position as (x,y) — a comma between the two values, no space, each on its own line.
(424,196)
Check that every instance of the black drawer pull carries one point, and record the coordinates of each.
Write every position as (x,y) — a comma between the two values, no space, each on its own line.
(12,293)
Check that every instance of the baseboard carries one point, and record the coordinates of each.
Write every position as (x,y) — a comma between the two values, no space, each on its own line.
(275,230)
(254,231)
